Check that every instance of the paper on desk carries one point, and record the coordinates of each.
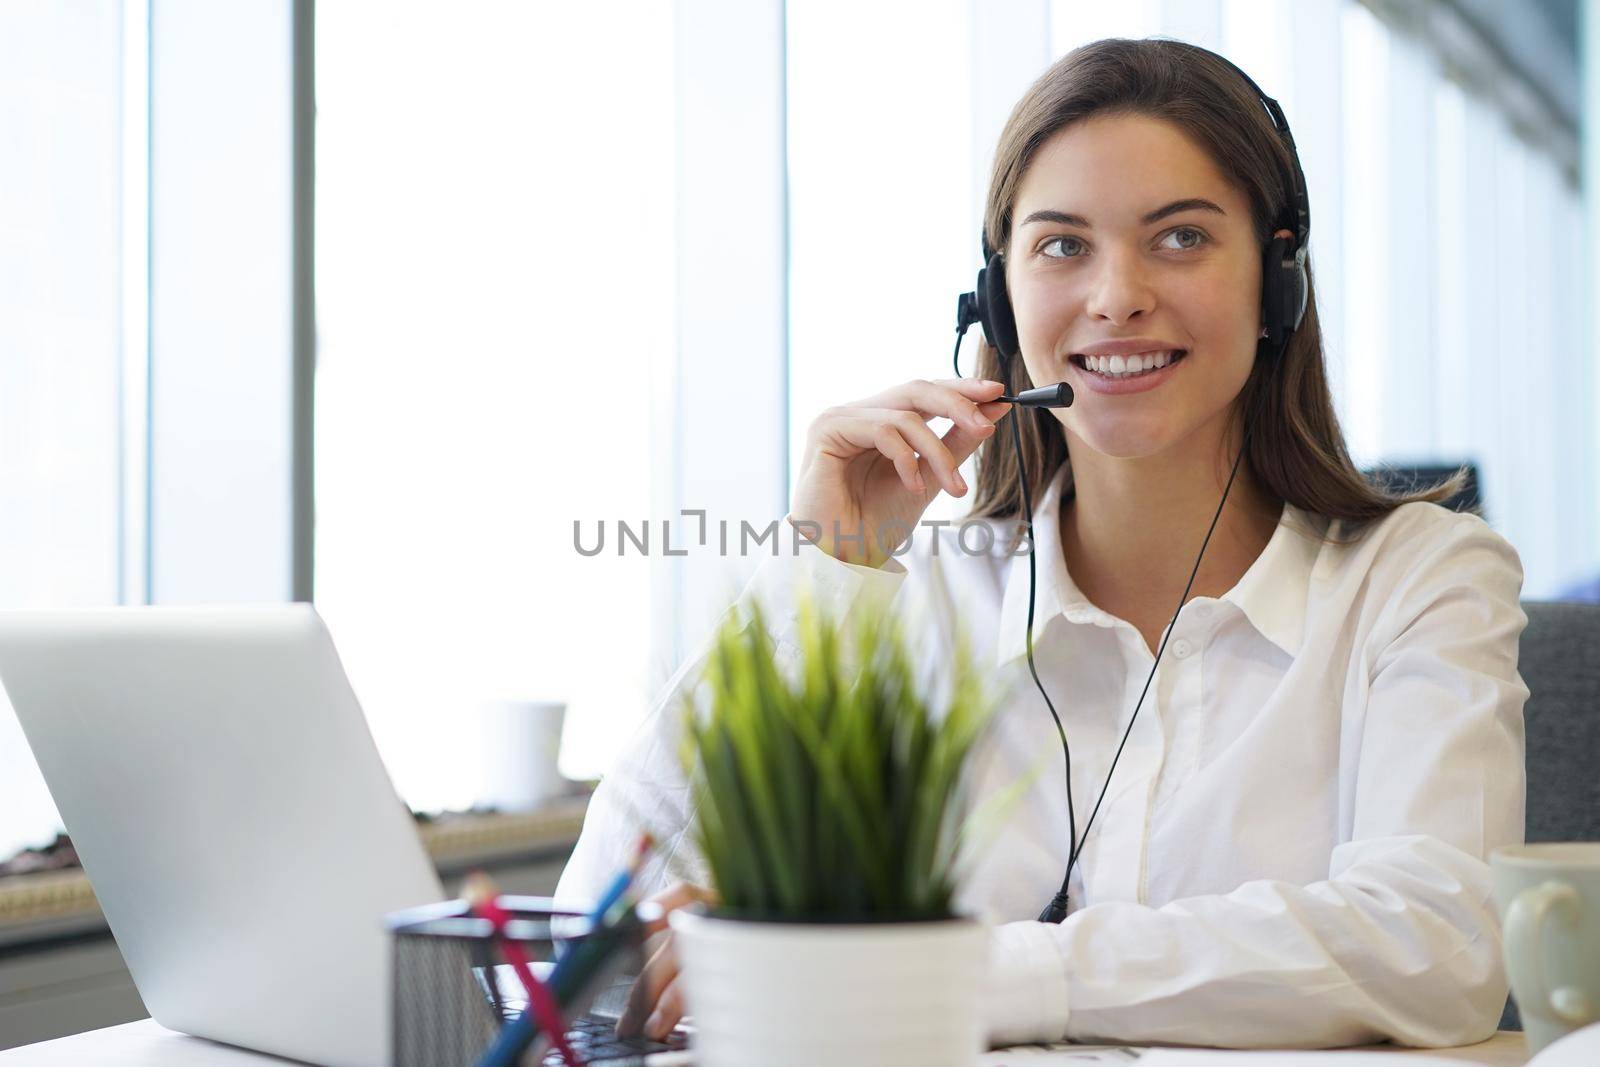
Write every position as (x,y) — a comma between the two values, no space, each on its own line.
(1121,1055)
(1208,1057)
(1075,1055)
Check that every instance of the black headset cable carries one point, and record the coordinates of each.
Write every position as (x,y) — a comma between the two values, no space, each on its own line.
(1059,905)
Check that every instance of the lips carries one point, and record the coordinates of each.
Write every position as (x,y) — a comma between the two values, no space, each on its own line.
(1124,346)
(1130,365)
(1111,384)
(1133,363)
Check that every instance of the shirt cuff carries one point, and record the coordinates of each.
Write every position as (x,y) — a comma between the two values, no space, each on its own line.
(1025,989)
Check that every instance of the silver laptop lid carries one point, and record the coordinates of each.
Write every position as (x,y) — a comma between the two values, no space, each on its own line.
(219,782)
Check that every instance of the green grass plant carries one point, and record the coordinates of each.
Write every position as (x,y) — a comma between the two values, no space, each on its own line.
(831,787)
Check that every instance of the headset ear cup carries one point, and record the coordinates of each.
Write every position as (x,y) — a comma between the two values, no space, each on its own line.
(980,303)
(999,322)
(1284,288)
(1302,288)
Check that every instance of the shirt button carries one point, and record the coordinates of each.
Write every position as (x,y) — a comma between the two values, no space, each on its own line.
(1203,610)
(1181,648)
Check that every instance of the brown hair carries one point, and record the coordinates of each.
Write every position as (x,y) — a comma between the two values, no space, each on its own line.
(1297,450)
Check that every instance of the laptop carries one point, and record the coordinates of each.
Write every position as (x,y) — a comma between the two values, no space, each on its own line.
(220,785)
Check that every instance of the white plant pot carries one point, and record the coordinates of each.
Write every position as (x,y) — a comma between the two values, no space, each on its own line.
(782,994)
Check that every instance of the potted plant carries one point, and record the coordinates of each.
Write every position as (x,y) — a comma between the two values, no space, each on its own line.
(829,800)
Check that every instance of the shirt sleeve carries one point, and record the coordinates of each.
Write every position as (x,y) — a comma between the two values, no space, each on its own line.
(647,789)
(1402,941)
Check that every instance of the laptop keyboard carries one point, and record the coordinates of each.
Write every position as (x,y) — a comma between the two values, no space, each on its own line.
(594,1038)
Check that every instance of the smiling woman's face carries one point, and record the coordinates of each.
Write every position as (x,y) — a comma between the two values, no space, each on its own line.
(1127,265)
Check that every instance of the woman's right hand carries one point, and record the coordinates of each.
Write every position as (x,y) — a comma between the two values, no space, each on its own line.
(872,467)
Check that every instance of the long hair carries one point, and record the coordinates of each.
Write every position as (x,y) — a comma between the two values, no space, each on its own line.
(1296,449)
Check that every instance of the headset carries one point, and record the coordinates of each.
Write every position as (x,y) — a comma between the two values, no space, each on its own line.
(1285,290)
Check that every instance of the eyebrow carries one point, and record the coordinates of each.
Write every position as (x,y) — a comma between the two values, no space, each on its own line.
(1062,218)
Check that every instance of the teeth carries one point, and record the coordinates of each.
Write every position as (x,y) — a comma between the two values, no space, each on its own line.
(1123,366)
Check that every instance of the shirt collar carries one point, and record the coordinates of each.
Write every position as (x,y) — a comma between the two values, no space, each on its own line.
(1272,593)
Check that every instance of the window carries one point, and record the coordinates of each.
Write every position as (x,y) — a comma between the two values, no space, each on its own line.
(63,311)
(131,290)
(601,265)
(1368,279)
(495,275)
(873,292)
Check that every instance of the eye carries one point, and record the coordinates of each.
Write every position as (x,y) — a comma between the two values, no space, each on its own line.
(1198,235)
(1058,240)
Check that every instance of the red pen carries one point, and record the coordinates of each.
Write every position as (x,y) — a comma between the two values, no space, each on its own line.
(480,894)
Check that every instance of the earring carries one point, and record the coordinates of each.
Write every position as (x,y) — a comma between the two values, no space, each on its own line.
(1263,331)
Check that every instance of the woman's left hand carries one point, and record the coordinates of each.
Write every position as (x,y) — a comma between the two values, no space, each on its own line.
(656,1000)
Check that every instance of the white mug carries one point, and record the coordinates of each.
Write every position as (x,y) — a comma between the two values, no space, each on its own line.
(518,753)
(1549,900)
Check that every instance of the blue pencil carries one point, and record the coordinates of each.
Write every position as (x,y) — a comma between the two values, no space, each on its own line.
(516,1035)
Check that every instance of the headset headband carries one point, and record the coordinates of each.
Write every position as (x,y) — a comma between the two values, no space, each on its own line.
(1296,216)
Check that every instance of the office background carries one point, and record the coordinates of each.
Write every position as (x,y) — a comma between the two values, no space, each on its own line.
(371,304)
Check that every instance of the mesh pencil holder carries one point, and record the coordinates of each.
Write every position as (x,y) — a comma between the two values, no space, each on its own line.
(450,996)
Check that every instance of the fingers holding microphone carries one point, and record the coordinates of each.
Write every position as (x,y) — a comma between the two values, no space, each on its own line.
(973,421)
(904,410)
(974,406)
(876,464)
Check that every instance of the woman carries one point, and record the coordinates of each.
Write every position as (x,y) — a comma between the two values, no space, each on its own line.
(1293,848)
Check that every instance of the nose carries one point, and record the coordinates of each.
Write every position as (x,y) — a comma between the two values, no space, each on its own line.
(1119,290)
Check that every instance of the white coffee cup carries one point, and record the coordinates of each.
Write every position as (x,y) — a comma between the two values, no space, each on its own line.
(1549,900)
(519,750)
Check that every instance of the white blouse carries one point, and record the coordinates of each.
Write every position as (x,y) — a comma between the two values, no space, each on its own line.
(1293,848)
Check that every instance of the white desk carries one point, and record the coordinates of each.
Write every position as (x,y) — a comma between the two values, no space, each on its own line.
(148,1044)
(145,1043)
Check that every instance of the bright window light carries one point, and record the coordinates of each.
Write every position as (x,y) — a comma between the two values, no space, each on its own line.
(495,283)
(1366,239)
(60,339)
(893,219)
